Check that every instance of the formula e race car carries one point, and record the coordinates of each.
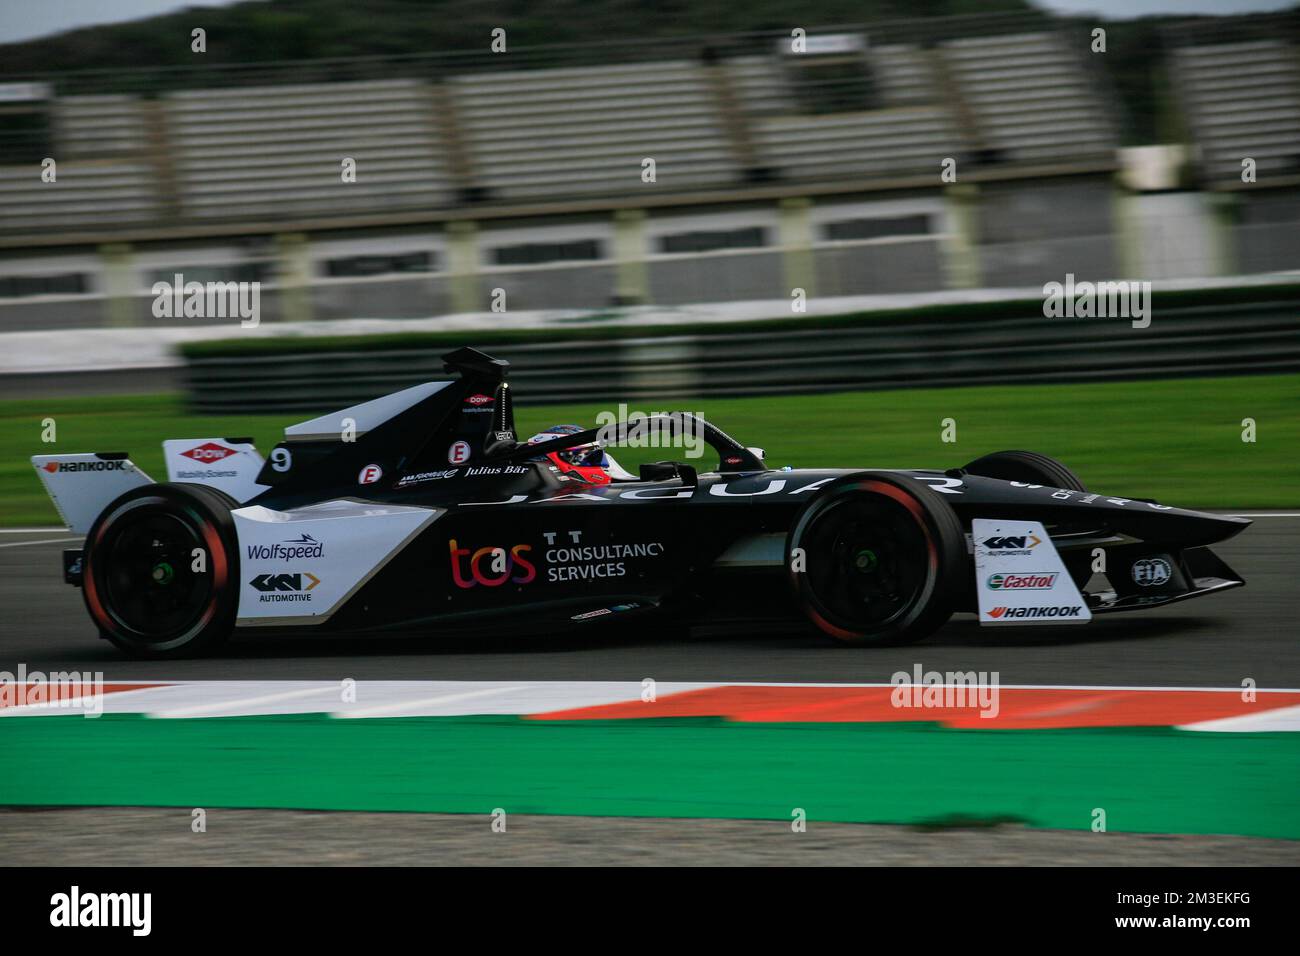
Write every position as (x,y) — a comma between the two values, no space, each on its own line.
(423,510)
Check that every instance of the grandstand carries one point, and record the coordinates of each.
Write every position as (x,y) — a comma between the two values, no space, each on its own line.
(1241,99)
(774,168)
(536,134)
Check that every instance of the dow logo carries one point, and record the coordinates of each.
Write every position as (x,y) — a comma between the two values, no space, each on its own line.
(209,451)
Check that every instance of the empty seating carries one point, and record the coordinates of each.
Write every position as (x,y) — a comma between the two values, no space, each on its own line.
(278,151)
(85,194)
(585,131)
(99,126)
(1030,98)
(103,174)
(275,152)
(909,133)
(1242,100)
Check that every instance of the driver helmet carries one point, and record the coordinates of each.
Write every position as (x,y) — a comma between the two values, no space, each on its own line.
(587,462)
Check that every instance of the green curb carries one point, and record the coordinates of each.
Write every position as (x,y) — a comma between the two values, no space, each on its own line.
(1146,780)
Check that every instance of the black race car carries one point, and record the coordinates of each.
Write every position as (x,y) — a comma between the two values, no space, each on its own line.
(423,510)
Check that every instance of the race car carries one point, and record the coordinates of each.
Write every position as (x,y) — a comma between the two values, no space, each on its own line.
(422,510)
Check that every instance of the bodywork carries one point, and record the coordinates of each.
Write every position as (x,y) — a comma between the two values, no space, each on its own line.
(423,508)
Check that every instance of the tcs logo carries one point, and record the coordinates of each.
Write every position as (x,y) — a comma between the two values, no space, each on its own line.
(490,567)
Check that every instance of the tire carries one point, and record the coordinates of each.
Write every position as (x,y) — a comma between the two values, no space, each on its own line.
(1027,466)
(139,583)
(883,560)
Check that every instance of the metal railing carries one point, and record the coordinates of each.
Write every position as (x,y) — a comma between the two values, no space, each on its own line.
(990,348)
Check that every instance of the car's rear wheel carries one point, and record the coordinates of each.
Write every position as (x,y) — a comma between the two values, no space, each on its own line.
(161,577)
(1028,467)
(877,559)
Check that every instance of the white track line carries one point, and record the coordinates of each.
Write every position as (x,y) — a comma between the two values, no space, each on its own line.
(401,705)
(25,710)
(1221,690)
(34,531)
(24,544)
(182,683)
(216,699)
(1274,720)
(235,703)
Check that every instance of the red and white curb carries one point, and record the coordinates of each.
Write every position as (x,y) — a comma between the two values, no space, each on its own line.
(1013,706)
(341,698)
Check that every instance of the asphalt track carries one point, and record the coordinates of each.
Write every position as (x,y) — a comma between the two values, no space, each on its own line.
(145,836)
(1216,641)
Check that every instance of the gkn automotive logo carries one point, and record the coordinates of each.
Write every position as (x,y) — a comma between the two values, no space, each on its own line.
(279,587)
(1035,581)
(1012,542)
(1010,613)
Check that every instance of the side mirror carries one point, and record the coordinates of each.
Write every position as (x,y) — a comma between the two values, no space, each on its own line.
(657,471)
(667,470)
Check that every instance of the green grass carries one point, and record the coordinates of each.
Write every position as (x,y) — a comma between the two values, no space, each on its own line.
(1153,780)
(1177,440)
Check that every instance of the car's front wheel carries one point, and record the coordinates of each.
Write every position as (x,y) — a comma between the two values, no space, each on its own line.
(161,576)
(1026,466)
(877,559)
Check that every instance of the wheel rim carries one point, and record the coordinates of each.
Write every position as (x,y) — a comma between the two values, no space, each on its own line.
(150,586)
(867,562)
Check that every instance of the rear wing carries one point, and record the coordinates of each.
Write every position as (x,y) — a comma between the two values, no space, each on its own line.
(81,486)
(227,464)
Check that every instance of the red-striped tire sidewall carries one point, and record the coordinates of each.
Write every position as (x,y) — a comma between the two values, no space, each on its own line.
(196,508)
(896,491)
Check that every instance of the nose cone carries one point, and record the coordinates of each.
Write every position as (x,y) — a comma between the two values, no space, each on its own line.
(1156,522)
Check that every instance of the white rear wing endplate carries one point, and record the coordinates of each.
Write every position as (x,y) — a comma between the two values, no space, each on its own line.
(81,486)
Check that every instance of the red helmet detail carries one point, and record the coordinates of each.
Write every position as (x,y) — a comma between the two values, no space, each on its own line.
(591,474)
